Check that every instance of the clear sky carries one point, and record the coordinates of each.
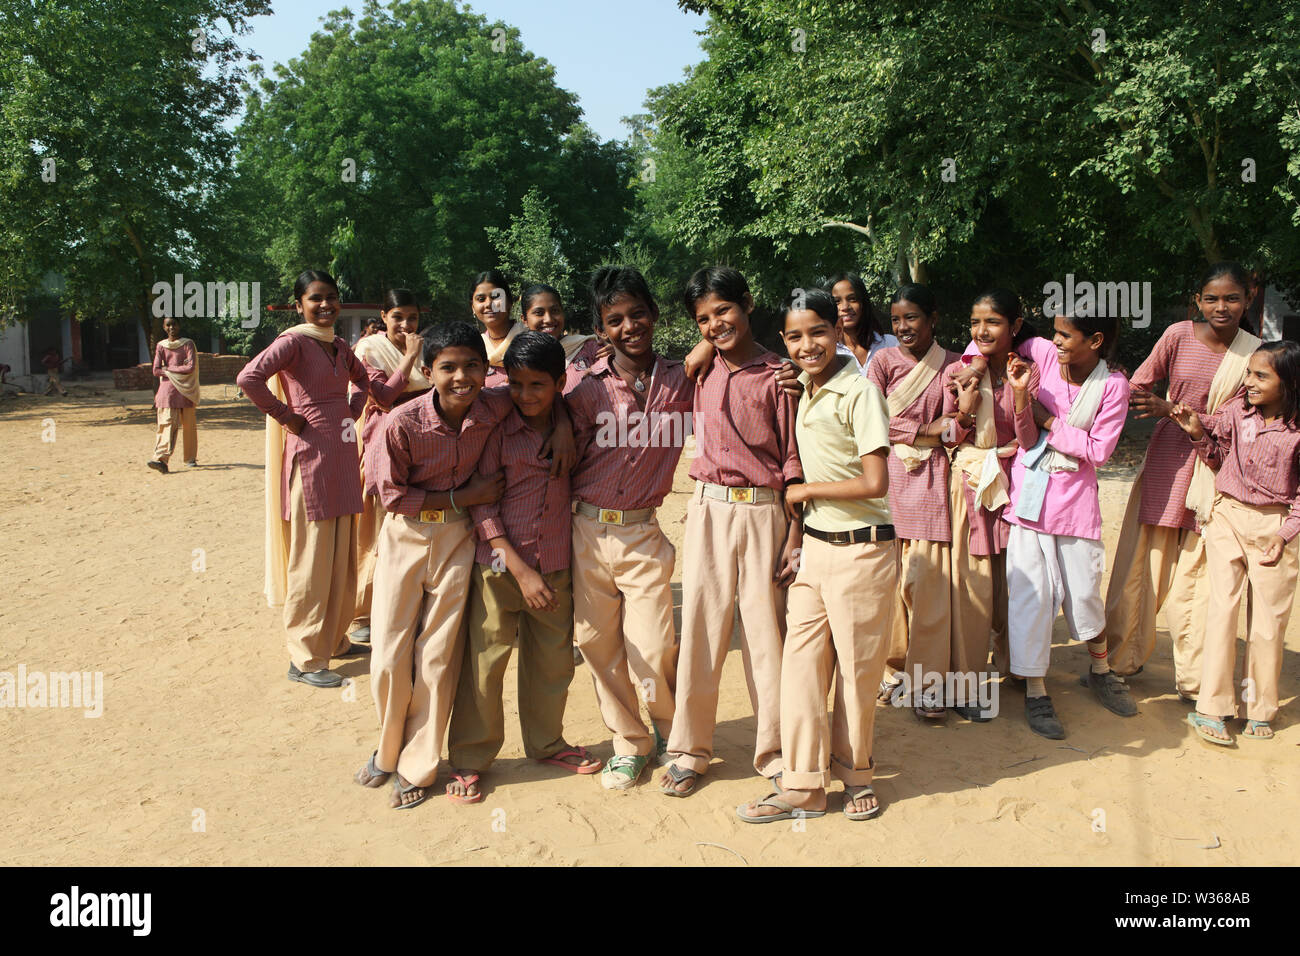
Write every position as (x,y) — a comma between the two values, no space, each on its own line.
(607,52)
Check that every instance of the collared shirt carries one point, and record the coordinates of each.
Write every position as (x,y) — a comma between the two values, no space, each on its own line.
(421,453)
(882,341)
(626,457)
(578,366)
(844,421)
(386,394)
(1070,506)
(181,361)
(534,513)
(744,426)
(1258,461)
(316,387)
(918,499)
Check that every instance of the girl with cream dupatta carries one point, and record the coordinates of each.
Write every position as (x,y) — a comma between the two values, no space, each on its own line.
(313,485)
(910,376)
(395,351)
(1160,557)
(176,364)
(543,311)
(490,300)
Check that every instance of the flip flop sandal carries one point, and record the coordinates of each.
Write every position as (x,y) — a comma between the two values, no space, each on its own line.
(886,690)
(1200,722)
(1253,725)
(376,777)
(679,775)
(399,790)
(788,812)
(930,713)
(557,760)
(852,795)
(466,781)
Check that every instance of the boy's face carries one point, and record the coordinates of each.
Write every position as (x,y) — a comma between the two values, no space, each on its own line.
(457,375)
(724,323)
(629,324)
(532,391)
(809,339)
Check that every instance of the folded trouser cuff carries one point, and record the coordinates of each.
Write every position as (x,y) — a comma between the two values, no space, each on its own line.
(640,746)
(849,776)
(805,779)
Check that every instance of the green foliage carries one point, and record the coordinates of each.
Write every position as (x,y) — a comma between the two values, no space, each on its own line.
(529,249)
(130,114)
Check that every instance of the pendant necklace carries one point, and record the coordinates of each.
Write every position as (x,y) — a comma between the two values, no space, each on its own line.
(636,381)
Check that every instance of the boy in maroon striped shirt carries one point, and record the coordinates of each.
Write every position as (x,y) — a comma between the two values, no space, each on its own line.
(742,542)
(520,583)
(630,417)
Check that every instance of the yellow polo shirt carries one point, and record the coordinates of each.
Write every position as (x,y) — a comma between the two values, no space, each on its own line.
(846,419)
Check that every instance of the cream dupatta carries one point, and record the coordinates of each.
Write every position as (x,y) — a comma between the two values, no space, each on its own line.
(186,383)
(912,387)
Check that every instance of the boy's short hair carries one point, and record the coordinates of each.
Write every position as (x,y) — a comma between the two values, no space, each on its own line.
(609,283)
(450,335)
(537,351)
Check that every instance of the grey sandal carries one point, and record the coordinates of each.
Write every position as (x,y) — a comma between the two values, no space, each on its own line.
(679,775)
(788,811)
(854,794)
(374,776)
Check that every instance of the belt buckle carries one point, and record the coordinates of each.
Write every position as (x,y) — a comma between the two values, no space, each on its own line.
(433,516)
(741,496)
(610,516)
(840,537)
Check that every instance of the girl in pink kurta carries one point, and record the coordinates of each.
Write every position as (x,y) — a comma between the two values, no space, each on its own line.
(543,311)
(1055,558)
(175,364)
(313,483)
(981,408)
(911,376)
(490,299)
(1160,557)
(394,352)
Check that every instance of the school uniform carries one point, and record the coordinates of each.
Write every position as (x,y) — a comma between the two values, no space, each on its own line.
(918,500)
(983,454)
(313,484)
(1160,555)
(422,577)
(578,359)
(880,342)
(496,351)
(534,514)
(176,367)
(378,353)
(841,603)
(1056,560)
(1257,496)
(622,562)
(736,526)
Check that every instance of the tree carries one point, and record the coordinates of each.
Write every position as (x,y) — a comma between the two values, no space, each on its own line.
(111,140)
(528,249)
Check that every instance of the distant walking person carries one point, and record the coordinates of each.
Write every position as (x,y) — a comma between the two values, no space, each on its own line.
(53,361)
(175,363)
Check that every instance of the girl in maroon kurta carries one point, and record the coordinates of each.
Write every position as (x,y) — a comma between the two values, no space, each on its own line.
(1160,556)
(313,484)
(175,364)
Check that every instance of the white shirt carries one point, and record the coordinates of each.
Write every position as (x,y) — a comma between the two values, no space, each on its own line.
(881,342)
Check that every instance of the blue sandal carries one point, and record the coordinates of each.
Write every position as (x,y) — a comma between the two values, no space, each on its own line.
(1200,722)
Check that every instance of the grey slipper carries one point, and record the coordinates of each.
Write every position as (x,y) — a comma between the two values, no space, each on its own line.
(361,635)
(679,775)
(320,678)
(398,789)
(853,794)
(1041,716)
(376,777)
(788,811)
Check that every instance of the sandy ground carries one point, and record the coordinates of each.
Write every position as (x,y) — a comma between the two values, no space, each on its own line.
(206,754)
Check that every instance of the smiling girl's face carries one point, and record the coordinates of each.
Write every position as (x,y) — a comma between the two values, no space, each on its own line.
(319,305)
(1263,385)
(490,303)
(172,328)
(810,341)
(1222,303)
(545,314)
(848,304)
(991,332)
(399,321)
(913,326)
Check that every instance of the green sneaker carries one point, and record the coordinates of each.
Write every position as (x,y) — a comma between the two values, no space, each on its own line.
(622,772)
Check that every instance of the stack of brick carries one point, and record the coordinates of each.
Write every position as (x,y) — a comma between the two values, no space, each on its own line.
(213,370)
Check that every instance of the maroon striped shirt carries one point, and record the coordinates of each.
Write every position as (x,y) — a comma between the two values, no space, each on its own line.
(534,513)
(181,361)
(1258,461)
(918,500)
(580,365)
(989,534)
(744,426)
(626,460)
(420,452)
(385,395)
(316,388)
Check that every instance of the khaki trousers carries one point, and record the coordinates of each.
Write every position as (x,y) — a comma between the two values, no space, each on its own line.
(1235,540)
(321,581)
(1155,567)
(417,636)
(170,420)
(979,597)
(623,625)
(922,619)
(497,611)
(731,562)
(368,524)
(839,620)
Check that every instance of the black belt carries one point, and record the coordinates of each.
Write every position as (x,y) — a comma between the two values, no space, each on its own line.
(875,532)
